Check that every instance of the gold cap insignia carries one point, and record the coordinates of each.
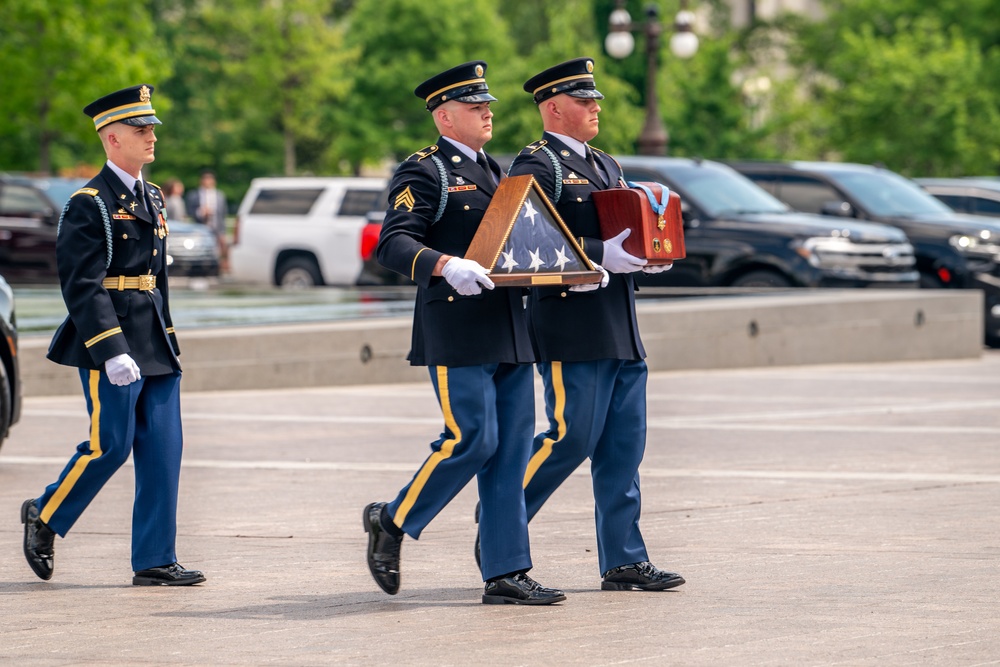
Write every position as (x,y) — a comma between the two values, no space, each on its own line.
(590,66)
(479,70)
(144,94)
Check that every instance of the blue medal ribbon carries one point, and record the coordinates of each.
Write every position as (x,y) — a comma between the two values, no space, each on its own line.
(658,207)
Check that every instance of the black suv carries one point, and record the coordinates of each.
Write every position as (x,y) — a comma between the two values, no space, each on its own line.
(735,234)
(29,214)
(953,250)
(10,380)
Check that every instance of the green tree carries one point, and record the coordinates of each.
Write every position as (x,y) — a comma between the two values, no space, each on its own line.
(914,100)
(57,58)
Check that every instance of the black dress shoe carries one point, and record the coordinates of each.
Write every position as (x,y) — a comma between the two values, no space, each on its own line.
(520,589)
(167,575)
(383,550)
(642,576)
(479,557)
(38,541)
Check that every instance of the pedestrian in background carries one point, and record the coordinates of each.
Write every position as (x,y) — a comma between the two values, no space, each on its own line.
(591,358)
(173,198)
(473,339)
(208,206)
(110,254)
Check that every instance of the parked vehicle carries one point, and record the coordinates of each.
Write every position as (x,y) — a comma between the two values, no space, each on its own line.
(953,250)
(10,379)
(29,215)
(302,232)
(976,196)
(738,235)
(192,249)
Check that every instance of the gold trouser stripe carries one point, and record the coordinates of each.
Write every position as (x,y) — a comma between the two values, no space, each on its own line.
(413,267)
(81,463)
(101,336)
(559,412)
(447,447)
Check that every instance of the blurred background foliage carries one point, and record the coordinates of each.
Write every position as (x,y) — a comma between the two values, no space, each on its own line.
(286,87)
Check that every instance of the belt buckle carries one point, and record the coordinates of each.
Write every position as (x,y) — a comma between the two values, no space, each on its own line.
(147,283)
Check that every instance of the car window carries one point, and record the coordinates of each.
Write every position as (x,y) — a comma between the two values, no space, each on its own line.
(717,190)
(806,194)
(358,202)
(885,193)
(16,199)
(986,206)
(957,202)
(285,201)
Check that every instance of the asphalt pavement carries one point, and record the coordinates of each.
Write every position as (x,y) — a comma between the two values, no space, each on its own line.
(822,515)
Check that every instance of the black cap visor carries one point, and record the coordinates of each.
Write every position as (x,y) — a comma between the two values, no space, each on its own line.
(139,121)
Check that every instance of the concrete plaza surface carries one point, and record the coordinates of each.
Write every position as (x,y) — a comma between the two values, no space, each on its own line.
(822,515)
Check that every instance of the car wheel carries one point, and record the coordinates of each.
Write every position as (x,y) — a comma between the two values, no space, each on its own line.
(762,279)
(298,273)
(5,404)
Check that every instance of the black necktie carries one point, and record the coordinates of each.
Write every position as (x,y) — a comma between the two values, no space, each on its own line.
(481,161)
(593,165)
(141,195)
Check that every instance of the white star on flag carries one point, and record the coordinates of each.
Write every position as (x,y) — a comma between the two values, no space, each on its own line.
(536,259)
(530,212)
(508,261)
(561,259)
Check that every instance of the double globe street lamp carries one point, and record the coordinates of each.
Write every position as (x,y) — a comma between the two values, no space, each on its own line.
(620,43)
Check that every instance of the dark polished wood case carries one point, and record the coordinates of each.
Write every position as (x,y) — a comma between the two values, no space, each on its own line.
(659,239)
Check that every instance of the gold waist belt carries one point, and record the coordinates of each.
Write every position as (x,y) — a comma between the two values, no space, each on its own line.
(121,283)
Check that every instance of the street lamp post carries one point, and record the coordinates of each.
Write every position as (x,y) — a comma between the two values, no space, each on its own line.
(620,44)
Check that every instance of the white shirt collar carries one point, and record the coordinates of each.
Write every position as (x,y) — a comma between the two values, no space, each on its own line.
(578,147)
(126,178)
(468,152)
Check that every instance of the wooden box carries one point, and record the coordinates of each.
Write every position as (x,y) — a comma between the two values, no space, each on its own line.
(657,236)
(524,242)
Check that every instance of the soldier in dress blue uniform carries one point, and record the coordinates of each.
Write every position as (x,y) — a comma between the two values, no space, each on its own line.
(110,252)
(590,355)
(473,339)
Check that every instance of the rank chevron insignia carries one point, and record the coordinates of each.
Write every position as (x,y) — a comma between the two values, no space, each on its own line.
(404,198)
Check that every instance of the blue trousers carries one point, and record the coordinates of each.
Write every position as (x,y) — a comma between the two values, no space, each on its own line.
(144,419)
(488,424)
(596,410)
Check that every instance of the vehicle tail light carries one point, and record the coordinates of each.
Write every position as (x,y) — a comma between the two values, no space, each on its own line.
(369,239)
(944,274)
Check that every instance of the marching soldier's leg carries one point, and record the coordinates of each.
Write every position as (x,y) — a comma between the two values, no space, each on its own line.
(503,523)
(615,470)
(157,458)
(112,429)
(576,403)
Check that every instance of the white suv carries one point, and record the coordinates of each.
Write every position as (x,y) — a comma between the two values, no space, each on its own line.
(299,232)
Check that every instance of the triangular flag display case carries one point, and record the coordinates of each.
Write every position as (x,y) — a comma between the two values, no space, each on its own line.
(524,242)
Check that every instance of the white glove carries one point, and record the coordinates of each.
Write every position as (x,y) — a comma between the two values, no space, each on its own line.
(616,260)
(590,287)
(657,268)
(122,370)
(466,276)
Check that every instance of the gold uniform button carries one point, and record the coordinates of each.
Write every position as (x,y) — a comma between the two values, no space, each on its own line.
(562,294)
(154,252)
(124,236)
(579,199)
(466,207)
(451,298)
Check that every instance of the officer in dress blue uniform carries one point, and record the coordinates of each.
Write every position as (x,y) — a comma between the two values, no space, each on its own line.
(473,339)
(590,354)
(110,252)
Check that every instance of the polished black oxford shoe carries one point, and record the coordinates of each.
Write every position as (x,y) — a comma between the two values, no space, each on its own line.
(167,575)
(383,550)
(520,589)
(39,541)
(642,576)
